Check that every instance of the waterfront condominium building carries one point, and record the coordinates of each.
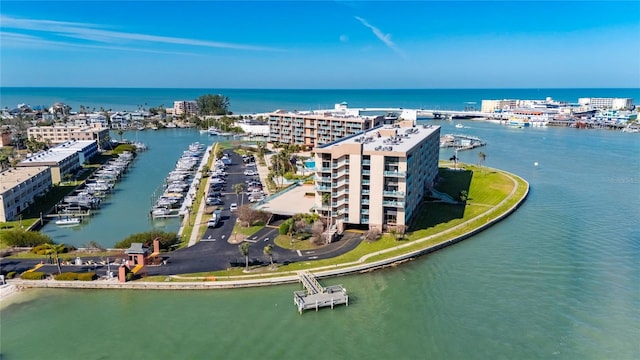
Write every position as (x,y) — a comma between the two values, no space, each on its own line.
(184,107)
(61,133)
(310,129)
(19,187)
(377,178)
(608,103)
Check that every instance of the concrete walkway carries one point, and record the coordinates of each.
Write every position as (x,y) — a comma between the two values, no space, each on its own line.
(198,220)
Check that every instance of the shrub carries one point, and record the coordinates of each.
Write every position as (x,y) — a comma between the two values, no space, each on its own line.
(167,239)
(89,276)
(23,238)
(11,275)
(130,276)
(66,276)
(34,275)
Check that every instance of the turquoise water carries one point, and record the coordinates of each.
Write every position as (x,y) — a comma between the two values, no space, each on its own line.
(557,279)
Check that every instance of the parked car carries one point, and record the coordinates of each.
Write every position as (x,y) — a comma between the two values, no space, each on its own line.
(214,201)
(233,207)
(250,173)
(215,194)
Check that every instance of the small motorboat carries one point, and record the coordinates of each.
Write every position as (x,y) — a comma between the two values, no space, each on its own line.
(69,221)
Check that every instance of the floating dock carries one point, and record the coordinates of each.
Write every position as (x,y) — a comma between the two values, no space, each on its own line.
(316,296)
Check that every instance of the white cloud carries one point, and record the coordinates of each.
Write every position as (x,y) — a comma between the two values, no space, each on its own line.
(385,38)
(92,32)
(23,41)
(344,38)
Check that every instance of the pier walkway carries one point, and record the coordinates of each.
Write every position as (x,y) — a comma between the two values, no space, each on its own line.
(315,296)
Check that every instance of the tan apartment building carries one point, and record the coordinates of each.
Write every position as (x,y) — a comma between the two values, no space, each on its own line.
(185,107)
(60,134)
(19,187)
(378,178)
(312,129)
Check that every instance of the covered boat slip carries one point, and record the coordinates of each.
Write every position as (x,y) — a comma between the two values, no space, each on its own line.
(316,296)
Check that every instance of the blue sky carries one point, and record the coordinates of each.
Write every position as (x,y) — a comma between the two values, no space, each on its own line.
(320,44)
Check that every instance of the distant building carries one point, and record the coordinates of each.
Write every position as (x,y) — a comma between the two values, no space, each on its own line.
(185,107)
(19,187)
(59,134)
(311,129)
(378,178)
(5,137)
(608,103)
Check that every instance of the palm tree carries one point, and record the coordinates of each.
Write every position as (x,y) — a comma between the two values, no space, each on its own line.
(120,132)
(482,157)
(244,251)
(239,189)
(54,249)
(267,251)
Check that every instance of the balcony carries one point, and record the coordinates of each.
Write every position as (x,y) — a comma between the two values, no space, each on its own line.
(393,203)
(364,211)
(364,201)
(366,172)
(366,162)
(393,193)
(340,193)
(400,174)
(366,192)
(322,188)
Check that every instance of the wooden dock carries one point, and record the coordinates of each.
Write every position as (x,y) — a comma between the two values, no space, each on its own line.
(316,296)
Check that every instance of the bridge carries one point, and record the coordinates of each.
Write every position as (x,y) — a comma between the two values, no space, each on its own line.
(421,114)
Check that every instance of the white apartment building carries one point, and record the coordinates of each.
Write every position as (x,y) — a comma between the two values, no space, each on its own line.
(19,187)
(311,129)
(377,178)
(608,103)
(185,107)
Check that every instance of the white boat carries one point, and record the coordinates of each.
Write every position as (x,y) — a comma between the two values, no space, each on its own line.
(214,131)
(459,126)
(69,221)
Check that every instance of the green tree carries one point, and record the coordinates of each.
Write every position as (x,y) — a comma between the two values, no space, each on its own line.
(212,105)
(120,132)
(268,252)
(244,251)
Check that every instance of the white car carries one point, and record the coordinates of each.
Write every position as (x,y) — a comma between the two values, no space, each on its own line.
(233,207)
(250,173)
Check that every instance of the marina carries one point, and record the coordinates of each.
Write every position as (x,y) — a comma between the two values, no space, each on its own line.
(177,192)
(89,196)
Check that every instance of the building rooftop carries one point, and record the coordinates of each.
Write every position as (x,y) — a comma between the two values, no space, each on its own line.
(323,115)
(47,157)
(387,138)
(73,145)
(13,176)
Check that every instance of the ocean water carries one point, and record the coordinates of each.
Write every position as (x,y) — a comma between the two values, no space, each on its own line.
(558,279)
(248,101)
